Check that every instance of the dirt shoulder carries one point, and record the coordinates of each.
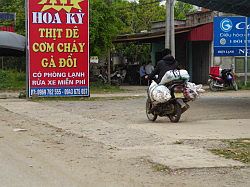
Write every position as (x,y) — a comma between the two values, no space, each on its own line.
(110,142)
(48,156)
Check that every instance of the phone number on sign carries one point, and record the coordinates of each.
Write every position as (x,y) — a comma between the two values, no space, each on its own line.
(60,92)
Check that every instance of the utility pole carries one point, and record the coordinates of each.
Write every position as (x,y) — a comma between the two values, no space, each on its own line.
(246,51)
(109,66)
(170,30)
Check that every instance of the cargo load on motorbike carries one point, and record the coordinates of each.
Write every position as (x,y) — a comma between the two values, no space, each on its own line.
(170,97)
(160,93)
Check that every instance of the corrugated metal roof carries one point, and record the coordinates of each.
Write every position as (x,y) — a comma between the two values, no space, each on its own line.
(148,36)
(240,7)
(202,33)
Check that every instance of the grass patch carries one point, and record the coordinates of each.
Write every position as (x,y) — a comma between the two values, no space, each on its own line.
(242,86)
(237,149)
(179,142)
(98,87)
(159,167)
(12,80)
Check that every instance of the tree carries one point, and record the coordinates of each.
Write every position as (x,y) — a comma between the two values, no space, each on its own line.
(124,13)
(108,18)
(182,9)
(138,16)
(104,26)
(148,11)
(18,7)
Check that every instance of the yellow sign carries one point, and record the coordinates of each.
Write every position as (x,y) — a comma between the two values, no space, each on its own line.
(67,5)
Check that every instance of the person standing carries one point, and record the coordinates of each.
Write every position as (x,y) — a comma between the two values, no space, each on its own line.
(149,68)
(142,72)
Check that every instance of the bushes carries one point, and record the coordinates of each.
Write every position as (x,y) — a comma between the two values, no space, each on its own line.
(242,86)
(12,80)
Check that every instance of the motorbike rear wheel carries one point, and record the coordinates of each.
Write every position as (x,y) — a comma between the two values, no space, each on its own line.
(151,116)
(176,116)
(212,87)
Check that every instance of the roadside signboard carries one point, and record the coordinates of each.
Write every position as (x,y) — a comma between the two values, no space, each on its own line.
(7,21)
(58,47)
(7,16)
(230,36)
(94,60)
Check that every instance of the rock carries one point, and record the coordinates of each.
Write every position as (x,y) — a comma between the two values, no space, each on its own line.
(34,96)
(3,96)
(20,130)
(22,95)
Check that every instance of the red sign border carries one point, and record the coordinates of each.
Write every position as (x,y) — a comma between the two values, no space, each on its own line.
(28,52)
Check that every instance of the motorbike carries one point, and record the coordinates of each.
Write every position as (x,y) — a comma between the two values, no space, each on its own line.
(116,78)
(226,80)
(174,108)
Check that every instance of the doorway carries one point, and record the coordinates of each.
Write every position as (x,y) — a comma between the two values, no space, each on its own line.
(200,62)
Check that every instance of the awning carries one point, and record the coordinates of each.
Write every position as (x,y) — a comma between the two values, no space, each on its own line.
(148,37)
(202,33)
(240,7)
(12,44)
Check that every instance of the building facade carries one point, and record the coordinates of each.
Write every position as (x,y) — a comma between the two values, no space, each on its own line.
(194,45)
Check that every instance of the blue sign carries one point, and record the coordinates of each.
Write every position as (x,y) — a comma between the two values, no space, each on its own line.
(56,92)
(7,16)
(230,36)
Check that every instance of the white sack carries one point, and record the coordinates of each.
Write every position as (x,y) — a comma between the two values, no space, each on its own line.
(184,75)
(193,91)
(152,86)
(174,75)
(160,94)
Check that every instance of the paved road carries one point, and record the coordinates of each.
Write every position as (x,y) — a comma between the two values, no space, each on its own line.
(113,136)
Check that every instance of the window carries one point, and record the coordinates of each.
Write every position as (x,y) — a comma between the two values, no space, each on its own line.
(240,65)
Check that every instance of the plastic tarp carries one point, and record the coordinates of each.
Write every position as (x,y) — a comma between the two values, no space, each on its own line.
(174,75)
(159,93)
(12,44)
(193,91)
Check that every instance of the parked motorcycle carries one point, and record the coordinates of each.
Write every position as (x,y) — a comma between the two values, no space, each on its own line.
(226,80)
(173,108)
(116,78)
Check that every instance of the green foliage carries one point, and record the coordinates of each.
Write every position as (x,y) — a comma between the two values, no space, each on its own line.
(182,9)
(18,7)
(104,26)
(237,150)
(14,63)
(12,80)
(98,87)
(242,86)
(138,16)
(109,18)
(146,12)
(125,15)
(134,52)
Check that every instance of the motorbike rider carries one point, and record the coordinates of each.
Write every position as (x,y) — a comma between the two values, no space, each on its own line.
(167,63)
